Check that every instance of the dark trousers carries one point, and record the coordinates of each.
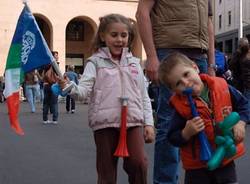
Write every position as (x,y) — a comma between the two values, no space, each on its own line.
(70,103)
(135,165)
(221,175)
(50,101)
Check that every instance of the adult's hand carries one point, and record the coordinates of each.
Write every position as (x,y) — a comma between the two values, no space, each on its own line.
(152,69)
(211,71)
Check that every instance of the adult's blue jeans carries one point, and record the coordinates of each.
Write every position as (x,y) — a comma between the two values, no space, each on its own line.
(166,156)
(246,93)
(41,92)
(32,93)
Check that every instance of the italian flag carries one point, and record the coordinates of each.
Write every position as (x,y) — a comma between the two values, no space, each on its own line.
(28,51)
(13,78)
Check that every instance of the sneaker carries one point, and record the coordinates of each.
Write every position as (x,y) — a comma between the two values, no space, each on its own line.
(54,122)
(46,122)
(72,111)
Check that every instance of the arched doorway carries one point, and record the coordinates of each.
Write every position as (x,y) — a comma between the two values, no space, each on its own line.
(79,35)
(45,27)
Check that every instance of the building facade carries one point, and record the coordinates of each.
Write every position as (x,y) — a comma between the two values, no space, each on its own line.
(68,26)
(226,23)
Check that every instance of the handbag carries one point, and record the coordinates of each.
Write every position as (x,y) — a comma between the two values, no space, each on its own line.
(50,76)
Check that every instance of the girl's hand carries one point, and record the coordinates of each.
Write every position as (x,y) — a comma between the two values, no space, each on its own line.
(149,134)
(239,131)
(193,127)
(63,82)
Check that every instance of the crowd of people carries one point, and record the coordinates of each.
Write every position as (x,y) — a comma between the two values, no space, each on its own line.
(36,89)
(178,57)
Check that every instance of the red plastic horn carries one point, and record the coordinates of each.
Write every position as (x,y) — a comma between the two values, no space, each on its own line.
(122,150)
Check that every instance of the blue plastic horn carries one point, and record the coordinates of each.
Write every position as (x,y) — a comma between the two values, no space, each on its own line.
(57,90)
(205,151)
(63,92)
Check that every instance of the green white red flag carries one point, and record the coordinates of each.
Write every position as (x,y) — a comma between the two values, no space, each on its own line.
(28,51)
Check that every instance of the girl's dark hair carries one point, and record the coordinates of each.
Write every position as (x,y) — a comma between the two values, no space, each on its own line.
(105,22)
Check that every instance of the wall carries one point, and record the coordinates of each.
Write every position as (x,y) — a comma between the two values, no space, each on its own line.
(58,13)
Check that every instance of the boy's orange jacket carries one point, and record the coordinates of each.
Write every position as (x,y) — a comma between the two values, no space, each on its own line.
(220,103)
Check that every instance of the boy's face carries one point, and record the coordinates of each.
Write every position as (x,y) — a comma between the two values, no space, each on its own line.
(183,76)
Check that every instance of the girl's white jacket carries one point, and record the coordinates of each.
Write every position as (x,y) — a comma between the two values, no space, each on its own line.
(106,81)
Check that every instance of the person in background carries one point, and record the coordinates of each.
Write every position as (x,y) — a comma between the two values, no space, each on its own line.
(113,75)
(166,26)
(72,76)
(1,89)
(178,72)
(50,101)
(222,67)
(32,88)
(41,75)
(240,66)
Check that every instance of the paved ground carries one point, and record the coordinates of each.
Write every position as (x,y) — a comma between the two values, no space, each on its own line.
(60,154)
(50,154)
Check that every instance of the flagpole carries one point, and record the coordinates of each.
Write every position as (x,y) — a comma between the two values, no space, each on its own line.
(28,51)
(55,87)
(240,30)
(57,69)
(25,1)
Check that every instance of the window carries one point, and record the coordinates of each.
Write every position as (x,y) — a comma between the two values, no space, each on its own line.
(229,18)
(220,46)
(75,31)
(229,46)
(236,44)
(220,17)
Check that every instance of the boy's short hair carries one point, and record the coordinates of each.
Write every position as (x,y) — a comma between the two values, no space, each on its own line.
(169,62)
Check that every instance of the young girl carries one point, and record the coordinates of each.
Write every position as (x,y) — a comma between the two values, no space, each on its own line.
(214,100)
(113,73)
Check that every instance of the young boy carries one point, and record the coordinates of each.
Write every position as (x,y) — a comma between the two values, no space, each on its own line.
(214,99)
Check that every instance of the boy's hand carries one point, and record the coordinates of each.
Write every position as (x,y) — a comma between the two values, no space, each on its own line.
(239,131)
(193,127)
(149,134)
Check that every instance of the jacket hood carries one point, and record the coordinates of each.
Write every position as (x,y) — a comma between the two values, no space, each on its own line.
(105,53)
